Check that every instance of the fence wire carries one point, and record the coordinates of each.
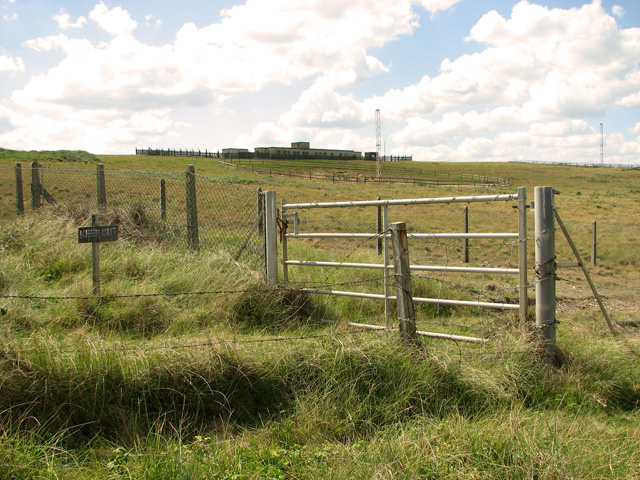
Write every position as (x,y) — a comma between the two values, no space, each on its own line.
(149,206)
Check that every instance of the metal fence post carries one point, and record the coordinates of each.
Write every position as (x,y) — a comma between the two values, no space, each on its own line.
(193,240)
(19,191)
(102,191)
(406,312)
(465,229)
(522,253)
(283,241)
(271,235)
(546,270)
(379,227)
(593,244)
(36,186)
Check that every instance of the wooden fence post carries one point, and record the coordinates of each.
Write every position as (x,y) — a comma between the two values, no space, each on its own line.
(465,229)
(193,241)
(102,191)
(271,229)
(19,191)
(546,271)
(260,211)
(36,186)
(163,199)
(95,258)
(406,312)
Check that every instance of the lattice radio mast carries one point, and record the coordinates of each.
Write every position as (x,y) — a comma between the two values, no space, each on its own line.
(601,144)
(378,142)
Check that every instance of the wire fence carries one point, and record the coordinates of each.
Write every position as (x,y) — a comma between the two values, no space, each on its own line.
(147,206)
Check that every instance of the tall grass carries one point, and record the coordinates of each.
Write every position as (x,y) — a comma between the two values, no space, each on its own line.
(251,382)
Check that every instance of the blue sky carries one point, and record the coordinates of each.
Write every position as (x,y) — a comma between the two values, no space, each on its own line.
(455,80)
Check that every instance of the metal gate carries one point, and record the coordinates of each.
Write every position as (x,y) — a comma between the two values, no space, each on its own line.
(301,223)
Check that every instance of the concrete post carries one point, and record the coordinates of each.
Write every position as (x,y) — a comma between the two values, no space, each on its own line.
(546,270)
(271,235)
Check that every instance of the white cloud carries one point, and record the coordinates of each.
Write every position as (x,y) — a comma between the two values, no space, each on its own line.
(152,21)
(64,21)
(618,11)
(10,18)
(10,64)
(255,44)
(435,6)
(541,74)
(116,21)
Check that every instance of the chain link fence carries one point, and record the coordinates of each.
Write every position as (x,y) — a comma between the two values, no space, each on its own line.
(186,209)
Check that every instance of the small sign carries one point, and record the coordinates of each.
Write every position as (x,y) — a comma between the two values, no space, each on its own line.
(105,233)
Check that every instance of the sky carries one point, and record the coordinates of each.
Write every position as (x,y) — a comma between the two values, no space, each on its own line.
(455,80)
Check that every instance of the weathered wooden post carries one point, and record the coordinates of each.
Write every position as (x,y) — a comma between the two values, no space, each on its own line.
(102,190)
(193,241)
(163,199)
(260,211)
(401,269)
(36,186)
(94,235)
(465,229)
(19,191)
(522,253)
(271,235)
(546,270)
(95,258)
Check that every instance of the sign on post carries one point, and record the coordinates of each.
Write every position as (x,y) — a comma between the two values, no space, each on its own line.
(95,234)
(105,233)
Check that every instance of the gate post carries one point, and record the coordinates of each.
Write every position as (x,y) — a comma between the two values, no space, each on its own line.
(522,253)
(546,270)
(271,235)
(406,313)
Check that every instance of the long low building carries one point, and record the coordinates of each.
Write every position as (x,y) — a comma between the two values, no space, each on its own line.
(297,150)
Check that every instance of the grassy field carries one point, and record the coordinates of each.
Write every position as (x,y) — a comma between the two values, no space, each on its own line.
(238,381)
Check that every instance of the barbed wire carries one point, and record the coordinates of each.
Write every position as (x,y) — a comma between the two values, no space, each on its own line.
(211,344)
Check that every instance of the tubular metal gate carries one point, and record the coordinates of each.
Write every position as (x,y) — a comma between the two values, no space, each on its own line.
(307,230)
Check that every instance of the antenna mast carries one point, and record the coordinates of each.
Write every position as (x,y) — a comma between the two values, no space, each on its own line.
(601,144)
(378,142)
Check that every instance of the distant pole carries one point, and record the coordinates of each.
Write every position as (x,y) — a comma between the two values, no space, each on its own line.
(601,144)
(378,142)
(593,244)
